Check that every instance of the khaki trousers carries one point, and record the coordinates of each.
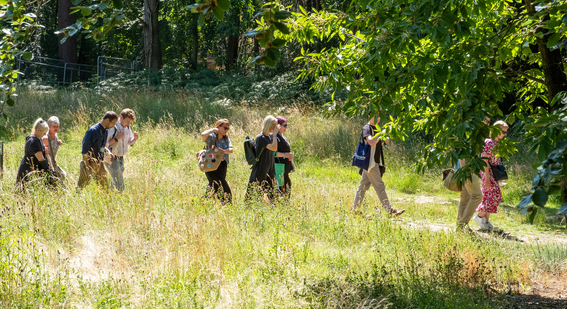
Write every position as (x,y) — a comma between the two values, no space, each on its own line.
(90,168)
(373,178)
(471,197)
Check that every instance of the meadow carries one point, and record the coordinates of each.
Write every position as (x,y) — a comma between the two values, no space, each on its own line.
(164,244)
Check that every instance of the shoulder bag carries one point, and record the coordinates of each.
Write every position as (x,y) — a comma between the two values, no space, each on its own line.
(382,165)
(361,157)
(210,157)
(499,172)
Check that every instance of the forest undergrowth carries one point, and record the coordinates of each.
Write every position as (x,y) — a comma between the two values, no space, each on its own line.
(164,244)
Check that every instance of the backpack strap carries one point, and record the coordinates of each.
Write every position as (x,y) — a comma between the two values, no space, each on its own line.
(381,153)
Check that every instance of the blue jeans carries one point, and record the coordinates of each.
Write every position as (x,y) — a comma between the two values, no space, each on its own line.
(116,170)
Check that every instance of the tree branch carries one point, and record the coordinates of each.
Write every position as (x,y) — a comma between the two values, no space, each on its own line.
(519,73)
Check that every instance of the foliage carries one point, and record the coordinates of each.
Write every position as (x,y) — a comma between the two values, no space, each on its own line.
(271,19)
(438,66)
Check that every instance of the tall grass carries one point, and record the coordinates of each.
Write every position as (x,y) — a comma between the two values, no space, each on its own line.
(162,244)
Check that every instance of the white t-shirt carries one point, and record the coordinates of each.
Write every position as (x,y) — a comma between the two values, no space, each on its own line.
(120,148)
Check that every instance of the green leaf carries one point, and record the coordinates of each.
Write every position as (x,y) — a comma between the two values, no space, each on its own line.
(278,43)
(553,40)
(563,209)
(282,14)
(273,53)
(10,102)
(526,201)
(251,33)
(201,20)
(282,27)
(118,4)
(76,2)
(269,62)
(223,4)
(218,12)
(532,215)
(86,12)
(540,197)
(27,56)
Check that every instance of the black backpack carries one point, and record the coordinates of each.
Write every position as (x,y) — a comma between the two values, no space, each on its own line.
(250,151)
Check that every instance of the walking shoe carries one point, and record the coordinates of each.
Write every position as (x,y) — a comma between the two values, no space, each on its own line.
(481,222)
(492,227)
(396,213)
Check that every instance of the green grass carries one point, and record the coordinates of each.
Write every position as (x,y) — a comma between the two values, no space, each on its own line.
(161,244)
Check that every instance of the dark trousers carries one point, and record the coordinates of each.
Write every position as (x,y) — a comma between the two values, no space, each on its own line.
(286,188)
(217,181)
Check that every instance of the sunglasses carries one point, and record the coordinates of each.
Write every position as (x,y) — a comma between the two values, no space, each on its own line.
(226,128)
(284,125)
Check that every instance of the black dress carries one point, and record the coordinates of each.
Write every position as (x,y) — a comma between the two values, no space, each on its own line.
(284,146)
(29,162)
(263,172)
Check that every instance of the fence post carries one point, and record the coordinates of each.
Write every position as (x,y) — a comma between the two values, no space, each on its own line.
(1,159)
(98,71)
(64,72)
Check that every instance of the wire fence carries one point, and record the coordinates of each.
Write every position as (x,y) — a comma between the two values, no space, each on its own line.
(51,71)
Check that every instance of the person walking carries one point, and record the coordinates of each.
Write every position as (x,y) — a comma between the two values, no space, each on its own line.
(284,155)
(94,150)
(34,160)
(119,139)
(492,196)
(471,196)
(217,179)
(263,172)
(52,142)
(372,176)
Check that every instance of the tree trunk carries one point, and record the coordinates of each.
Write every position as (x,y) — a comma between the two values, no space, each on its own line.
(551,64)
(195,48)
(152,44)
(68,50)
(231,62)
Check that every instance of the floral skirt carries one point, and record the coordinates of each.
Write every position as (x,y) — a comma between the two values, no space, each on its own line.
(491,196)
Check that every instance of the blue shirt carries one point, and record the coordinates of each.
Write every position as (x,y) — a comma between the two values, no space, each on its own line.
(94,142)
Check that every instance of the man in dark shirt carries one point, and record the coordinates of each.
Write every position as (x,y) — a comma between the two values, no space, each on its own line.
(94,149)
(372,175)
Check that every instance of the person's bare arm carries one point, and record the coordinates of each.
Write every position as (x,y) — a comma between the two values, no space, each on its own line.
(206,133)
(39,156)
(228,151)
(274,145)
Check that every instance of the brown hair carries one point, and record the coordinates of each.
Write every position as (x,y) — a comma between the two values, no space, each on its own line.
(110,115)
(221,122)
(128,113)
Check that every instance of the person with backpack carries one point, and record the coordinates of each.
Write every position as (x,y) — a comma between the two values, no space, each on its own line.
(218,137)
(119,139)
(372,175)
(34,160)
(284,156)
(263,172)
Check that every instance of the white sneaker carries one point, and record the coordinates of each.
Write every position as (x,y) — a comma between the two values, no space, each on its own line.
(481,222)
(492,227)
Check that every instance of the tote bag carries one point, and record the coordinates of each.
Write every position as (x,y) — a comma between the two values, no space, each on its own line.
(210,158)
(280,171)
(361,157)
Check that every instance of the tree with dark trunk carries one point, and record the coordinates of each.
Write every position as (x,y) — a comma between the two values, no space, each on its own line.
(67,50)
(152,44)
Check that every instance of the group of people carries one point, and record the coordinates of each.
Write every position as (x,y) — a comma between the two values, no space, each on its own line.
(105,145)
(271,145)
(482,196)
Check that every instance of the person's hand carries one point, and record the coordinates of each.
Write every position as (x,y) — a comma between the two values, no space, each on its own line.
(120,136)
(277,129)
(111,157)
(60,142)
(136,136)
(215,130)
(387,141)
(288,155)
(487,183)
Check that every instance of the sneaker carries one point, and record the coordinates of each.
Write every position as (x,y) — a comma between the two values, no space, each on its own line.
(481,222)
(396,213)
(492,227)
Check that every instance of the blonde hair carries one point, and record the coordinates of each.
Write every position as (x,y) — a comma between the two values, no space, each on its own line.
(501,123)
(40,126)
(269,121)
